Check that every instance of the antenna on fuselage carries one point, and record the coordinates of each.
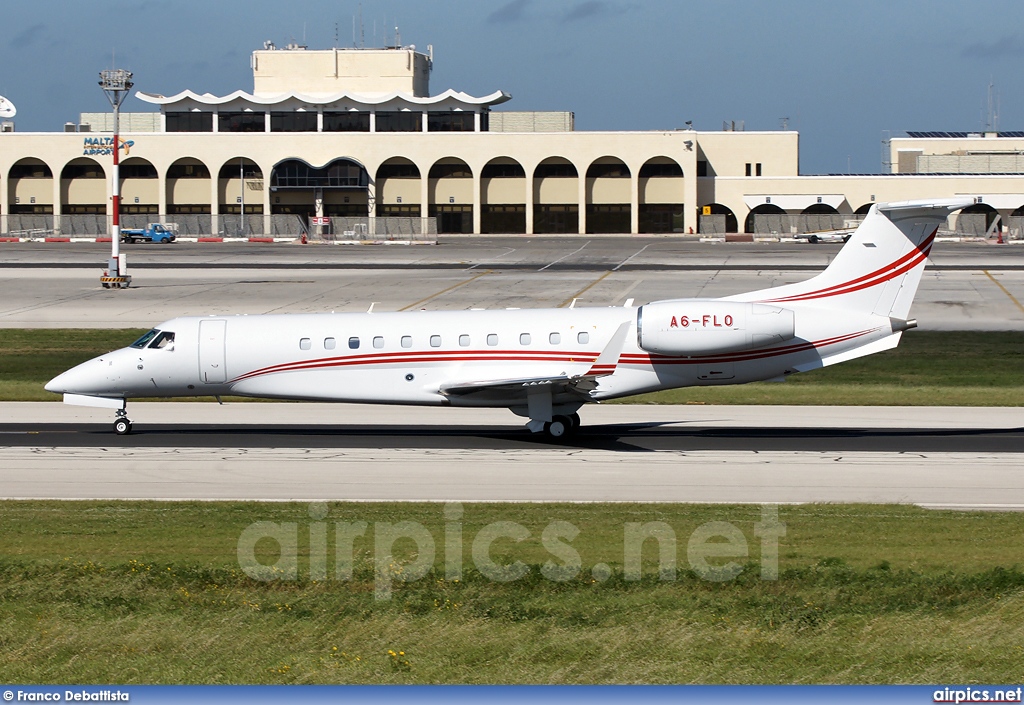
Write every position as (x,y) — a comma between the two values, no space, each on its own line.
(573,304)
(372,304)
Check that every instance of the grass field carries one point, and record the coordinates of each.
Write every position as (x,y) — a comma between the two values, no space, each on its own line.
(928,368)
(148,592)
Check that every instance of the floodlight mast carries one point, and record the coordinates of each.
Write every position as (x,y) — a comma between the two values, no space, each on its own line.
(115,84)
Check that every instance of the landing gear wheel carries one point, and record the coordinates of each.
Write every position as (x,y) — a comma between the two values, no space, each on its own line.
(558,427)
(122,426)
(575,419)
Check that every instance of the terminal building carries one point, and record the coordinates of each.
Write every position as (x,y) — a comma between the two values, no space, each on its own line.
(355,135)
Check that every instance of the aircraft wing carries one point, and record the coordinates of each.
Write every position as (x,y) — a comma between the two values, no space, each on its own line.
(580,385)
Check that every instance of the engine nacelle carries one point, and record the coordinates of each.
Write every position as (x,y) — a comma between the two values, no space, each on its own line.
(701,327)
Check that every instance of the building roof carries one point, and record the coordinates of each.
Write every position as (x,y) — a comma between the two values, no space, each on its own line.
(450,96)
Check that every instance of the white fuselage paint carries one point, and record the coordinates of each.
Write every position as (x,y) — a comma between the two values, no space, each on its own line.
(267,355)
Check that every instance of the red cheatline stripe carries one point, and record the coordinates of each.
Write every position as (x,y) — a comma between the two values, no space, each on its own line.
(515,356)
(879,276)
(423,356)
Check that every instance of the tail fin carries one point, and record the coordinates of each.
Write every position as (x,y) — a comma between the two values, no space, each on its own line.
(879,268)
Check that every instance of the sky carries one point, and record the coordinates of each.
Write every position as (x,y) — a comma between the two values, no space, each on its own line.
(845,74)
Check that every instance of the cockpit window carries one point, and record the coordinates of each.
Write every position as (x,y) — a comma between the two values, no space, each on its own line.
(164,339)
(144,340)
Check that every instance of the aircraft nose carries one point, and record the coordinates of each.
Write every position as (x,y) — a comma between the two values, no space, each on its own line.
(82,379)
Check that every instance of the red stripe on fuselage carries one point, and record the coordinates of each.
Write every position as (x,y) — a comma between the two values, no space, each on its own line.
(632,359)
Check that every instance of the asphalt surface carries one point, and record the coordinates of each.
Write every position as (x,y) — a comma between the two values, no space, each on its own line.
(572,253)
(637,437)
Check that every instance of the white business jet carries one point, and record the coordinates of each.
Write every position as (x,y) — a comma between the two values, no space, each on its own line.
(542,364)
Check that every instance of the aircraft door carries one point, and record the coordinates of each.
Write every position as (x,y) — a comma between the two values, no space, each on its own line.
(212,363)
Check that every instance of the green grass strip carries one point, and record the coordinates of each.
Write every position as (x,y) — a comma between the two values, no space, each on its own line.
(150,592)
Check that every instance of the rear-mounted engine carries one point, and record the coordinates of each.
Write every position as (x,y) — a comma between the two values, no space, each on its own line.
(702,327)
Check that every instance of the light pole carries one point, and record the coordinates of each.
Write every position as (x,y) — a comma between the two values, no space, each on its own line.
(115,84)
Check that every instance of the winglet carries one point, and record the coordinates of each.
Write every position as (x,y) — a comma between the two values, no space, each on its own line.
(608,360)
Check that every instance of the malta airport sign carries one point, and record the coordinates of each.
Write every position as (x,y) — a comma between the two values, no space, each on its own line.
(100,146)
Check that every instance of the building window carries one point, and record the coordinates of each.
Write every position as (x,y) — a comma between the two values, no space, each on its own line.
(305,344)
(748,168)
(330,343)
(503,171)
(398,170)
(556,170)
(406,341)
(378,342)
(492,339)
(648,170)
(353,343)
(137,171)
(435,341)
(291,122)
(458,170)
(188,171)
(241,122)
(189,122)
(583,337)
(450,121)
(464,340)
(346,122)
(399,121)
(82,171)
(758,170)
(615,170)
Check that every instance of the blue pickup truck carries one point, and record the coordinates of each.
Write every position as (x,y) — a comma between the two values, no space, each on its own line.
(154,232)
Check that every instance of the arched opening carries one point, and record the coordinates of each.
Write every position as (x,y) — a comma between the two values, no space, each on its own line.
(1015,224)
(863,210)
(556,207)
(608,196)
(30,188)
(450,190)
(661,196)
(819,217)
(240,197)
(188,196)
(767,219)
(977,220)
(140,192)
(716,219)
(83,198)
(503,196)
(337,189)
(398,189)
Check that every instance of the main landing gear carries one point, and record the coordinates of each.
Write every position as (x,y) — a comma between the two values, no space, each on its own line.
(122,424)
(562,426)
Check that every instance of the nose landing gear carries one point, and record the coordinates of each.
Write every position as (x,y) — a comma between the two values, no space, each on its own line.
(122,424)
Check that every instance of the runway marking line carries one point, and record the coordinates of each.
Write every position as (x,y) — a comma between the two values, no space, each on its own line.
(1004,290)
(584,290)
(550,264)
(444,291)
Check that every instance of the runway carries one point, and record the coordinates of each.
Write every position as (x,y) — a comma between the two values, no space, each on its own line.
(938,457)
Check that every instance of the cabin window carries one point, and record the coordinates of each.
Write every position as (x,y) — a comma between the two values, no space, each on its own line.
(305,344)
(144,340)
(492,339)
(378,342)
(330,343)
(555,338)
(583,337)
(353,343)
(464,340)
(524,338)
(435,341)
(406,341)
(166,338)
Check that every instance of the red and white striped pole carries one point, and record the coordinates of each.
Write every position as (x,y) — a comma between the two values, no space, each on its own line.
(115,84)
